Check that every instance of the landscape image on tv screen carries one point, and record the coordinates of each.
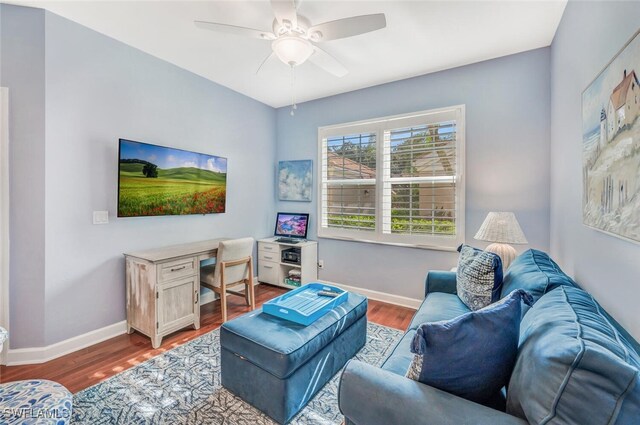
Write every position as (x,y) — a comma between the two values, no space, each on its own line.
(156,180)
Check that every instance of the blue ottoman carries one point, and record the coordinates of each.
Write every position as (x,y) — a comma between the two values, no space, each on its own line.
(278,366)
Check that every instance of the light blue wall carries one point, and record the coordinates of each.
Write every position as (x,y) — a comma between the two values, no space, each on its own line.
(507,159)
(98,90)
(67,274)
(589,36)
(22,70)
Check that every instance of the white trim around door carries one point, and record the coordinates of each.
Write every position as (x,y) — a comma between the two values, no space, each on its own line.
(4,216)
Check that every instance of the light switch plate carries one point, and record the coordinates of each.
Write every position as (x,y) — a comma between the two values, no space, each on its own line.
(101,217)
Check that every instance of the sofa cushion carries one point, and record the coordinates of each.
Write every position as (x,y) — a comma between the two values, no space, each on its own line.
(535,272)
(573,366)
(470,356)
(400,359)
(279,346)
(438,306)
(478,277)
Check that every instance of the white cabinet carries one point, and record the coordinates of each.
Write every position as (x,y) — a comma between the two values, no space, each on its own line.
(275,270)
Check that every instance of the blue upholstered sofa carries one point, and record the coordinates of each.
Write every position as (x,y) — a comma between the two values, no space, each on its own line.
(575,364)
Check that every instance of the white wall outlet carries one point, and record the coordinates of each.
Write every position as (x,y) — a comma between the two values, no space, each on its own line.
(101,217)
(320,264)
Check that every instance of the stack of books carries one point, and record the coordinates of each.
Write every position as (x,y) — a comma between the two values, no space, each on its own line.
(293,278)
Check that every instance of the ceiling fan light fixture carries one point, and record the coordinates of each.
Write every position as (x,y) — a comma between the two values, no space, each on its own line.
(292,50)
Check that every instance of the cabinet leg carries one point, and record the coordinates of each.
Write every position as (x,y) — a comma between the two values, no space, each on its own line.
(196,325)
(129,329)
(156,341)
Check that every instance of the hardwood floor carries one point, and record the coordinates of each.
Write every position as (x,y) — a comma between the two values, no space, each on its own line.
(91,365)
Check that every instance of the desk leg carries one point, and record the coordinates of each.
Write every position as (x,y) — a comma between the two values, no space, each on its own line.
(196,307)
(156,341)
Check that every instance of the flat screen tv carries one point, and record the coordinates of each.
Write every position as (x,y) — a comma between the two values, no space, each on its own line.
(156,180)
(292,225)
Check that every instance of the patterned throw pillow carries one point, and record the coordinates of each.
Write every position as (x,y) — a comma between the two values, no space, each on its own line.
(478,277)
(473,355)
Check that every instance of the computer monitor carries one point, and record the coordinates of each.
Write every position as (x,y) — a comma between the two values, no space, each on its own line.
(292,225)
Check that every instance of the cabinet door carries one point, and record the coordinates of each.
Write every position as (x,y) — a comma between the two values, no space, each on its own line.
(178,304)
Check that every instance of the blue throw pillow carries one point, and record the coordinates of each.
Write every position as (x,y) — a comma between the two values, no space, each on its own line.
(478,277)
(471,356)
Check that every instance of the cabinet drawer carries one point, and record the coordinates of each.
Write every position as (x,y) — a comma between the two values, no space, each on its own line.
(268,272)
(176,269)
(268,247)
(268,256)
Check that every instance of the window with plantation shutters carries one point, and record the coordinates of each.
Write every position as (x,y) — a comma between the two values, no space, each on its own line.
(396,180)
(349,182)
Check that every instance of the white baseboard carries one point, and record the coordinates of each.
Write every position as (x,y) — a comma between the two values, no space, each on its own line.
(379,296)
(35,355)
(208,297)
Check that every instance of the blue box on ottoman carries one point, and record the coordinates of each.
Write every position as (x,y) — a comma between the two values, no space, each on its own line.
(278,366)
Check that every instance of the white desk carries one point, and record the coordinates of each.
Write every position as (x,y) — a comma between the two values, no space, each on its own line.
(163,288)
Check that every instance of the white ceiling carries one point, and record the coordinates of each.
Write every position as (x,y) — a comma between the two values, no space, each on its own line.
(421,37)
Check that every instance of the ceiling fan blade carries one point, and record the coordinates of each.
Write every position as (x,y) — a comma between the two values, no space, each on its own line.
(265,61)
(285,10)
(232,29)
(347,27)
(324,60)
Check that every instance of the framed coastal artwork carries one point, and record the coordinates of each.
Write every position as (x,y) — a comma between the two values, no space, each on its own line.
(294,180)
(611,146)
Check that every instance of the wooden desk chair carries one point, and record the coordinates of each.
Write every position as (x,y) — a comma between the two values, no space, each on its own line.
(234,266)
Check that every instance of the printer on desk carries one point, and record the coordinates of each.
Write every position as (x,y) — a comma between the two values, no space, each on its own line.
(291,255)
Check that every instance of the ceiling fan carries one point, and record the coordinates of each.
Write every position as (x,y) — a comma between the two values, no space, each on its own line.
(294,39)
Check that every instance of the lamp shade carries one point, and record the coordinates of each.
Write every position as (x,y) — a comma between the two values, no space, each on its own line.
(501,227)
(292,50)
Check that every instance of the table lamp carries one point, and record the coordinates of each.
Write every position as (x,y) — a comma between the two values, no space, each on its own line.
(502,229)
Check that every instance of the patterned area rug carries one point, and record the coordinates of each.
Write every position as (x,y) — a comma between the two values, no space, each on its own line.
(182,386)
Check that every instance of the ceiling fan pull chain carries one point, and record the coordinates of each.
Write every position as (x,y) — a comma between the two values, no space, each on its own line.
(293,90)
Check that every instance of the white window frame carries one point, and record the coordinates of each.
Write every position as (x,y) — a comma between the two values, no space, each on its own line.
(378,126)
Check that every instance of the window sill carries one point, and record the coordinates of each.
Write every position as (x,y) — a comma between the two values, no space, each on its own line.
(403,245)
